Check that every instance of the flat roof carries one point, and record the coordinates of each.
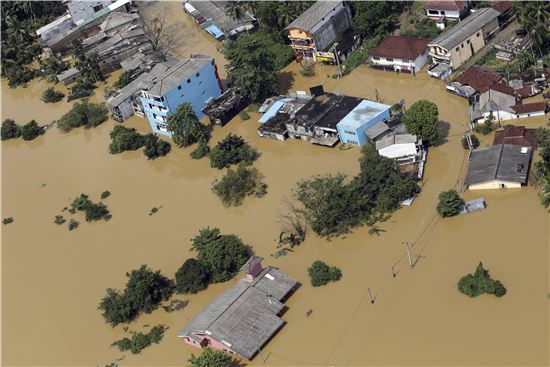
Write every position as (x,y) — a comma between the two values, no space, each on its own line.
(339,111)
(363,113)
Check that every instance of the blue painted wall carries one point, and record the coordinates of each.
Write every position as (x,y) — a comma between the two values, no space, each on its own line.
(195,90)
(355,135)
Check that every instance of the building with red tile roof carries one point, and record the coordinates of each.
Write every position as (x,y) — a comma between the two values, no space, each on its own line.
(400,54)
(530,109)
(503,6)
(478,78)
(517,135)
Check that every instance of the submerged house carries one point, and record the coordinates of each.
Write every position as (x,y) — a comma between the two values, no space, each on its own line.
(396,53)
(222,109)
(353,127)
(496,101)
(316,30)
(244,317)
(501,166)
(404,148)
(517,135)
(473,80)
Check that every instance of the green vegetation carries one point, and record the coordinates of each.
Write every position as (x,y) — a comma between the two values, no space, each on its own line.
(81,89)
(424,28)
(223,255)
(153,210)
(244,116)
(89,68)
(210,358)
(105,194)
(421,120)
(10,130)
(7,220)
(59,220)
(332,205)
(18,48)
(51,95)
(32,130)
(321,274)
(541,176)
(123,80)
(480,282)
(51,67)
(374,18)
(83,114)
(126,138)
(253,107)
(473,138)
(73,224)
(449,203)
(144,291)
(93,211)
(308,70)
(192,276)
(487,126)
(201,151)
(154,147)
(534,16)
(360,55)
(232,150)
(185,127)
(140,341)
(235,185)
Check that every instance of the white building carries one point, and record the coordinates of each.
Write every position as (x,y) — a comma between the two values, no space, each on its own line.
(446,9)
(397,53)
(404,148)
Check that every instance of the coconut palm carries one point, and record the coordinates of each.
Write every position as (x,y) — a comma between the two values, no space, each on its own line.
(30,8)
(544,194)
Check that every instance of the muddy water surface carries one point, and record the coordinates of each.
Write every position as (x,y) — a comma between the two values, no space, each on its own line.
(53,279)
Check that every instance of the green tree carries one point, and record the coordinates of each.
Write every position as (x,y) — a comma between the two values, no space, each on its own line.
(479,283)
(83,114)
(544,193)
(123,80)
(449,203)
(154,147)
(376,17)
(76,48)
(81,89)
(235,185)
(320,273)
(125,138)
(487,126)
(10,130)
(140,341)
(210,358)
(222,254)
(51,95)
(421,120)
(232,150)
(191,277)
(534,16)
(185,127)
(201,151)
(51,67)
(474,139)
(89,68)
(31,130)
(251,68)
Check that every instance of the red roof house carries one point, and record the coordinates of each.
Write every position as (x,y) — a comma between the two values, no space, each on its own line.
(396,52)
(503,6)
(503,88)
(529,109)
(516,135)
(478,78)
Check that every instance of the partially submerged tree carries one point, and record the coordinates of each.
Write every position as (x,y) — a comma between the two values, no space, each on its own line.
(320,273)
(480,282)
(158,33)
(232,149)
(81,89)
(10,130)
(449,203)
(32,130)
(125,138)
(83,114)
(235,185)
(51,67)
(421,120)
(210,358)
(473,139)
(192,276)
(185,127)
(51,95)
(123,80)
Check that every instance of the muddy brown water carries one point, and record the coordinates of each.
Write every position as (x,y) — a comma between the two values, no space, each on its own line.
(53,279)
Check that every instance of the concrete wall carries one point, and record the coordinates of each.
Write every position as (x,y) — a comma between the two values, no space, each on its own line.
(398,64)
(495,184)
(461,53)
(339,21)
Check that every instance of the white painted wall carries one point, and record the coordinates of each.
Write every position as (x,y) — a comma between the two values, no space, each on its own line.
(495,184)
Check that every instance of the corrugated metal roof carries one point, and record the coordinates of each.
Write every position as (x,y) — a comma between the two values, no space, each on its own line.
(499,162)
(363,113)
(313,15)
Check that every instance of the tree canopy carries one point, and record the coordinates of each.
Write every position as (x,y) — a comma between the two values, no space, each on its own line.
(210,358)
(10,130)
(185,127)
(372,18)
(192,276)
(31,130)
(449,203)
(480,282)
(320,273)
(232,149)
(83,114)
(421,120)
(235,185)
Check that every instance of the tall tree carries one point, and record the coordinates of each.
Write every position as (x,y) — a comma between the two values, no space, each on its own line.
(421,120)
(185,127)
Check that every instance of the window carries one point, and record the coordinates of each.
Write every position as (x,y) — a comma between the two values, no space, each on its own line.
(349,132)
(353,142)
(179,87)
(188,81)
(203,92)
(389,59)
(456,49)
(376,58)
(200,82)
(462,45)
(97,7)
(197,75)
(468,41)
(477,35)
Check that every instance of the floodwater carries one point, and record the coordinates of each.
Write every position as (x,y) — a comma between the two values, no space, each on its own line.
(53,279)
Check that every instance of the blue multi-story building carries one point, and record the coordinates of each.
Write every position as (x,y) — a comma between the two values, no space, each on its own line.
(193,80)
(366,114)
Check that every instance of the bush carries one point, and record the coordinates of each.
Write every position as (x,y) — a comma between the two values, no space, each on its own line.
(308,70)
(223,255)
(83,114)
(210,358)
(83,88)
(359,56)
(201,151)
(59,220)
(480,282)
(487,126)
(235,185)
(105,194)
(244,116)
(140,341)
(474,139)
(7,220)
(154,147)
(321,274)
(191,277)
(93,211)
(51,95)
(73,224)
(232,150)
(449,203)
(31,130)
(144,291)
(123,80)
(253,107)
(10,130)
(125,138)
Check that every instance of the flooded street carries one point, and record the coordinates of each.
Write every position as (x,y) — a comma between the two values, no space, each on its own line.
(53,279)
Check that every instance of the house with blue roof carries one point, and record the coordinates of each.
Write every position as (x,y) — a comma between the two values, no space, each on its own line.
(366,114)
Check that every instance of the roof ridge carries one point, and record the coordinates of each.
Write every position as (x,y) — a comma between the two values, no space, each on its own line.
(499,160)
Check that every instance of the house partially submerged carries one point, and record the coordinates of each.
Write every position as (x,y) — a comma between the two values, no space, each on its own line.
(404,148)
(222,109)
(529,109)
(244,317)
(396,53)
(316,30)
(69,76)
(277,112)
(496,101)
(455,46)
(353,127)
(501,166)
(213,18)
(473,80)
(516,135)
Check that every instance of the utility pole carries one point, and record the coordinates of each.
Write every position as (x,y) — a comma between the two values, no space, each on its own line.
(409,254)
(370,296)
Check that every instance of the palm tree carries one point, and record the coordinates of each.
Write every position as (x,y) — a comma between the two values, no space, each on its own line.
(30,8)
(236,10)
(544,194)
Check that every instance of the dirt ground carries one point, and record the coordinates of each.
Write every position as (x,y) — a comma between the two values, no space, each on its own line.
(53,279)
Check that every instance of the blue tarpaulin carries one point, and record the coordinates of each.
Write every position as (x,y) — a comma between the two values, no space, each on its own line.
(272,111)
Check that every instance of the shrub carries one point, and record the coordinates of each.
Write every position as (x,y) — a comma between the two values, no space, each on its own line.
(480,282)
(210,358)
(244,116)
(51,95)
(449,203)
(253,107)
(232,150)
(73,224)
(140,341)
(154,147)
(192,277)
(31,130)
(201,151)
(59,220)
(487,126)
(83,114)
(320,273)
(125,138)
(123,80)
(93,211)
(144,291)
(235,185)
(474,139)
(308,70)
(82,88)
(7,220)
(105,194)
(10,130)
